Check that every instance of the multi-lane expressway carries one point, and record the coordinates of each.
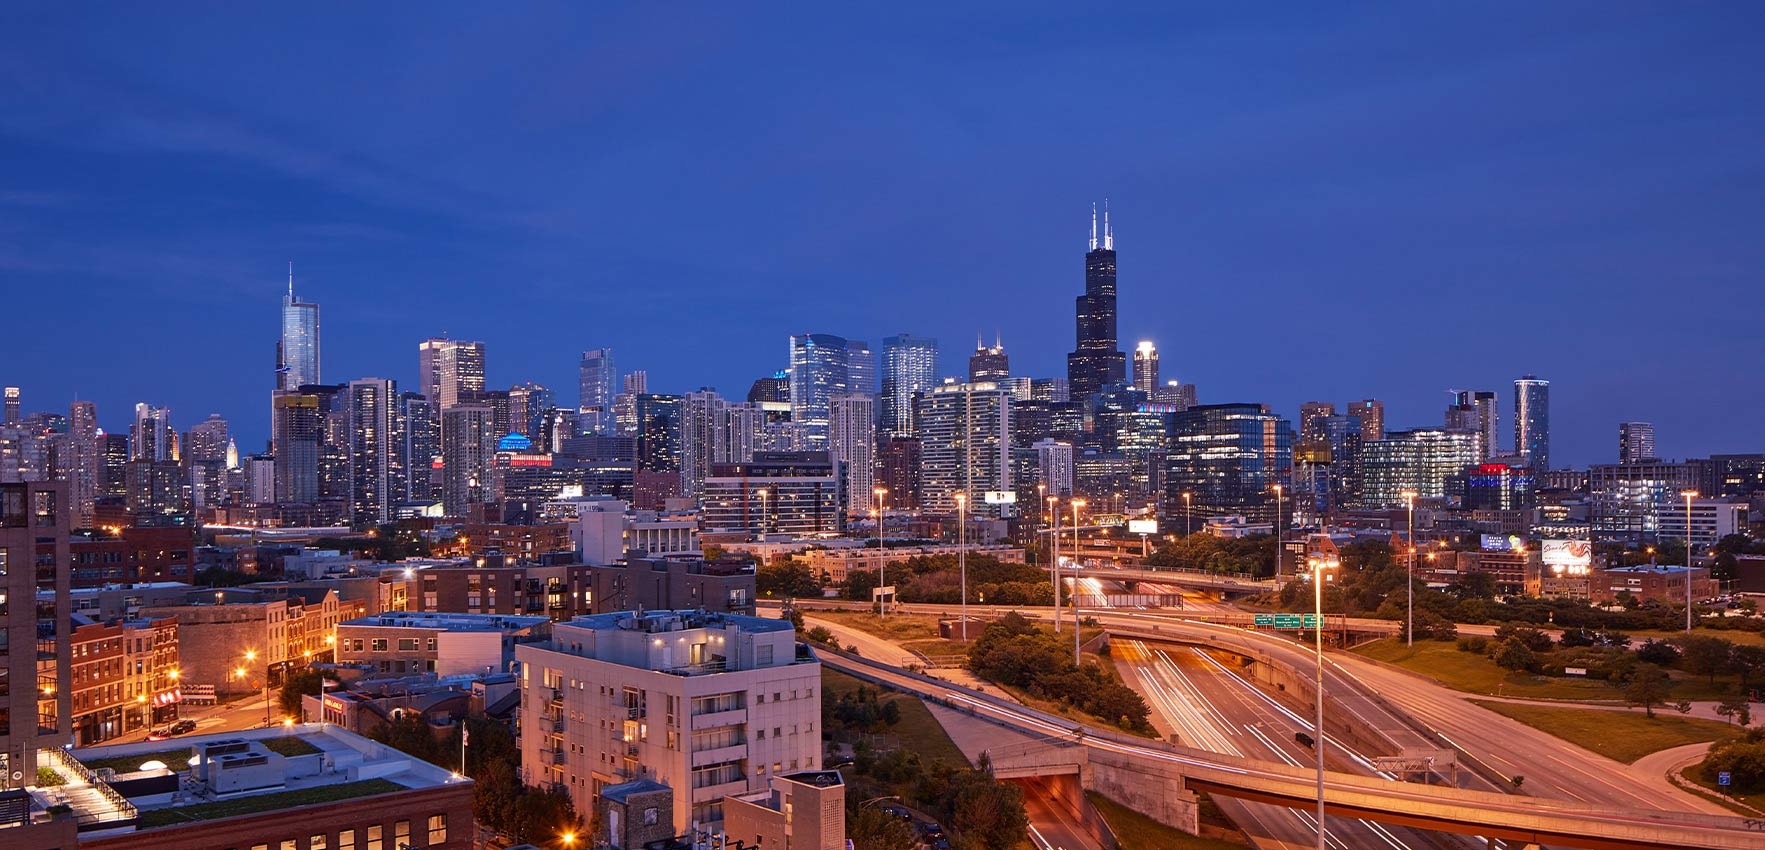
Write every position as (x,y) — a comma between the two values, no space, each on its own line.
(1599,807)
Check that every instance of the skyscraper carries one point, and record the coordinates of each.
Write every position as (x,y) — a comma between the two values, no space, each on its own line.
(910,365)
(1097,362)
(1532,421)
(1313,416)
(1475,411)
(113,451)
(860,367)
(449,369)
(38,699)
(658,432)
(819,371)
(376,434)
(298,352)
(597,384)
(1146,368)
(208,440)
(468,442)
(1371,413)
(701,414)
(1636,442)
(88,463)
(528,402)
(150,438)
(12,401)
(991,365)
(421,450)
(298,434)
(1228,457)
(851,444)
(965,446)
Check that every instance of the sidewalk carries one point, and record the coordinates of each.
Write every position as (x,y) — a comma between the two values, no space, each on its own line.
(888,652)
(1703,709)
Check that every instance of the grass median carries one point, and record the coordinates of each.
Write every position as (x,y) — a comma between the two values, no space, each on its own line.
(918,731)
(1136,831)
(1475,673)
(1620,735)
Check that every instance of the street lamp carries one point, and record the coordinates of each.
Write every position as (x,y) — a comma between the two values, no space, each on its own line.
(962,555)
(1054,534)
(1321,569)
(1076,504)
(762,494)
(881,560)
(1409,501)
(251,658)
(1689,495)
(1277,531)
(1188,512)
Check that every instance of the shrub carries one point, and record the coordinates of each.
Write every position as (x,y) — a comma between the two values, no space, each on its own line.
(1475,643)
(1657,652)
(1515,655)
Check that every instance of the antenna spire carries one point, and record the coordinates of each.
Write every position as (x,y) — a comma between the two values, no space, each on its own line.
(998,340)
(1108,232)
(1093,227)
(291,281)
(978,345)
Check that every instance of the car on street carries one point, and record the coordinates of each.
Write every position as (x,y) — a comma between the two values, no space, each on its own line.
(183,727)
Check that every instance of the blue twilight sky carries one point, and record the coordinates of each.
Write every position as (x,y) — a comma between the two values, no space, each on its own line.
(1313,201)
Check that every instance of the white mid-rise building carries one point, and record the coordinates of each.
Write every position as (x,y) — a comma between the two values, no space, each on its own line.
(708,704)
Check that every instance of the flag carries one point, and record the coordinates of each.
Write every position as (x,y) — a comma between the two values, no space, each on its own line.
(465,734)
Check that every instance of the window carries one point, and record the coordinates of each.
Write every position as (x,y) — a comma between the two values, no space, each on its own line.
(288,844)
(374,842)
(378,645)
(401,834)
(432,644)
(407,644)
(437,829)
(346,839)
(317,842)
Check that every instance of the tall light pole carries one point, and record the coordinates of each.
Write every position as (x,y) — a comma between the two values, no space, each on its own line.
(1276,531)
(1076,504)
(1409,501)
(962,555)
(251,658)
(762,494)
(1689,495)
(1319,575)
(1054,534)
(881,559)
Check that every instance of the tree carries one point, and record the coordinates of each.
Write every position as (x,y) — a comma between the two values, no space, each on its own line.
(789,579)
(1514,655)
(871,828)
(1749,662)
(408,733)
(1534,639)
(1658,652)
(1705,655)
(987,810)
(1737,708)
(298,684)
(1473,585)
(1648,688)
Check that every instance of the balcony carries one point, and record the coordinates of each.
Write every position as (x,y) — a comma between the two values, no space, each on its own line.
(554,755)
(634,712)
(716,719)
(713,793)
(557,698)
(553,725)
(720,754)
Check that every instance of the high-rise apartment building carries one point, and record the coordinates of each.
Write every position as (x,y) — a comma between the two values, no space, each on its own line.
(1146,368)
(1532,422)
(776,492)
(528,403)
(449,369)
(376,457)
(989,364)
(1636,442)
(207,440)
(701,414)
(1054,469)
(87,467)
(297,353)
(1474,411)
(708,705)
(1312,418)
(35,563)
(860,367)
(597,384)
(658,432)
(1371,413)
(12,406)
(420,453)
(820,370)
(1097,362)
(851,443)
(150,438)
(113,453)
(898,472)
(910,365)
(298,438)
(468,443)
(1628,500)
(965,446)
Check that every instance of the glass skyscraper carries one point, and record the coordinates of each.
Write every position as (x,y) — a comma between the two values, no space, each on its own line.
(1532,421)
(597,383)
(820,370)
(1228,457)
(298,353)
(910,365)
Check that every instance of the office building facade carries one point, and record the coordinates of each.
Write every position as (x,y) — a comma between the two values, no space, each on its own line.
(1636,442)
(1532,421)
(297,352)
(597,384)
(1228,457)
(964,435)
(1096,362)
(909,365)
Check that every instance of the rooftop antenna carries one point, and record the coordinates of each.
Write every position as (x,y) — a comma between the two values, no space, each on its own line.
(291,281)
(1093,227)
(998,340)
(1108,232)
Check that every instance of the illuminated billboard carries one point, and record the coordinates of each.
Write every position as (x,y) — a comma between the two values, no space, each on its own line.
(1502,543)
(1001,497)
(1568,553)
(1142,526)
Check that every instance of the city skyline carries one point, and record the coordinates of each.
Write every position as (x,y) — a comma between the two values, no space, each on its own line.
(174,190)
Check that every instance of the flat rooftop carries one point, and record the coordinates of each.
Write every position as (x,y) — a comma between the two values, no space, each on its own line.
(449,622)
(668,621)
(267,770)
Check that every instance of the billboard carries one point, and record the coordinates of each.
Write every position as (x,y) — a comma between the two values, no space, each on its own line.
(1142,526)
(1001,497)
(1502,543)
(1568,553)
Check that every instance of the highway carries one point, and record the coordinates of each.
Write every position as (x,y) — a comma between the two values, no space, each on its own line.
(1211,708)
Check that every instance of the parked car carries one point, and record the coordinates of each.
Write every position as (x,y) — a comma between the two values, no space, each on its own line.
(1303,739)
(898,811)
(929,829)
(160,734)
(183,727)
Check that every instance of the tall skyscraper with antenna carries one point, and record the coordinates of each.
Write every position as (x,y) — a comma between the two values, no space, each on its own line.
(297,354)
(1097,361)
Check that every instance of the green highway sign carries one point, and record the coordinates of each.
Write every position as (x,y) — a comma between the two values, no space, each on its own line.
(1286,621)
